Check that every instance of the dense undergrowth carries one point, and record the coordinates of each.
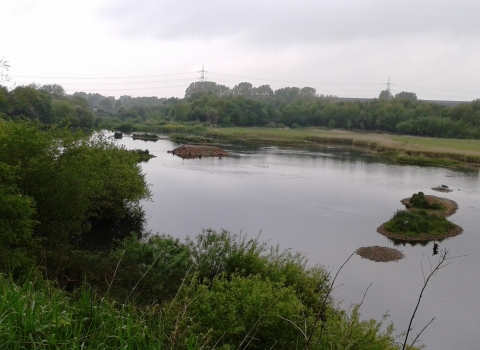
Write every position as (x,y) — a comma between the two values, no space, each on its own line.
(218,290)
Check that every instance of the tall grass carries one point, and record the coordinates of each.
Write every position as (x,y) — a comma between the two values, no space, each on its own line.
(48,318)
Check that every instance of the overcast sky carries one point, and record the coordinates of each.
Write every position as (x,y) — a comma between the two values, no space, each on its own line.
(347,48)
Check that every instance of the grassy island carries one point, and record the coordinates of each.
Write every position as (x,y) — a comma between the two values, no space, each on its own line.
(424,219)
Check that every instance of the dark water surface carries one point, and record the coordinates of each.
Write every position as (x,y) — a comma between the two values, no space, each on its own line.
(326,202)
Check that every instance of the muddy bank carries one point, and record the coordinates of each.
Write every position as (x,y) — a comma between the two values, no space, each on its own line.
(380,254)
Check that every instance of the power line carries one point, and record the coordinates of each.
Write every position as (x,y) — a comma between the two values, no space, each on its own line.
(288,81)
(106,78)
(145,88)
(126,83)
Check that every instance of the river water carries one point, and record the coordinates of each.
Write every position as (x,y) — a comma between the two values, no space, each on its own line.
(326,202)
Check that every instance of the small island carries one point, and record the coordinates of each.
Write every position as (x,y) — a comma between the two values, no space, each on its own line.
(145,137)
(198,151)
(143,155)
(424,220)
(380,254)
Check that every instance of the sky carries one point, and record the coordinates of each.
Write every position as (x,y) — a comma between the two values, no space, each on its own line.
(347,48)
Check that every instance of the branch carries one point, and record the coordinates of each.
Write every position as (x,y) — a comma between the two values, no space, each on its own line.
(441,263)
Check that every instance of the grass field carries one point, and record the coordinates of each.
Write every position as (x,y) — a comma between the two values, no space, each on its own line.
(408,149)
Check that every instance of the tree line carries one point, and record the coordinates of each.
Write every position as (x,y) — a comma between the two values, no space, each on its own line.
(293,107)
(246,105)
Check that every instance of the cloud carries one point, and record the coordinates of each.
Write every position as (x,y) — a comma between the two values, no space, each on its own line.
(277,22)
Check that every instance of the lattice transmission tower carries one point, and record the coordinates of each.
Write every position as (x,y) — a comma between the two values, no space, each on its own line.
(202,73)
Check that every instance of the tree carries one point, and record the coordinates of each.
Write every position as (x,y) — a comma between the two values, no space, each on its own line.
(385,95)
(410,96)
(308,92)
(32,103)
(199,88)
(54,90)
(262,90)
(86,190)
(242,89)
(107,103)
(17,246)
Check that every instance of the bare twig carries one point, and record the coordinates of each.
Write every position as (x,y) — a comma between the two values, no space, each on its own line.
(115,272)
(364,294)
(136,285)
(433,270)
(418,335)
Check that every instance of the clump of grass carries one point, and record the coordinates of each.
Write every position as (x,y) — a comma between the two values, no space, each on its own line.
(419,201)
(43,317)
(419,222)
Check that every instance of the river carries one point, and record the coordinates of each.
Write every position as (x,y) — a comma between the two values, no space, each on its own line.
(326,202)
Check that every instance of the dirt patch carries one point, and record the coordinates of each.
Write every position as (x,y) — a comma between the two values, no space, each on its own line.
(198,151)
(380,254)
(425,237)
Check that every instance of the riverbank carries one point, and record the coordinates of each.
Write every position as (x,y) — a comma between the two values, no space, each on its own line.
(449,153)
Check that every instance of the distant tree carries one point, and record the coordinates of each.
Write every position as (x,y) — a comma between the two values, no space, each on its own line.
(55,90)
(287,94)
(118,104)
(262,90)
(106,104)
(242,89)
(199,88)
(308,92)
(385,95)
(404,95)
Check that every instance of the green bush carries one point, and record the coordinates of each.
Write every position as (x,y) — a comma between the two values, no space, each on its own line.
(216,253)
(419,201)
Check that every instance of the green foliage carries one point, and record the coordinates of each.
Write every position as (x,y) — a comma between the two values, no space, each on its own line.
(136,271)
(418,200)
(18,248)
(215,253)
(79,183)
(414,223)
(245,310)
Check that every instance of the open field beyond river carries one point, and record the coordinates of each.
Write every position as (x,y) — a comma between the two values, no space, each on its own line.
(406,149)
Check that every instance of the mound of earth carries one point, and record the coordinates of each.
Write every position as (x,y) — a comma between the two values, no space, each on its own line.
(442,188)
(198,151)
(449,205)
(380,254)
